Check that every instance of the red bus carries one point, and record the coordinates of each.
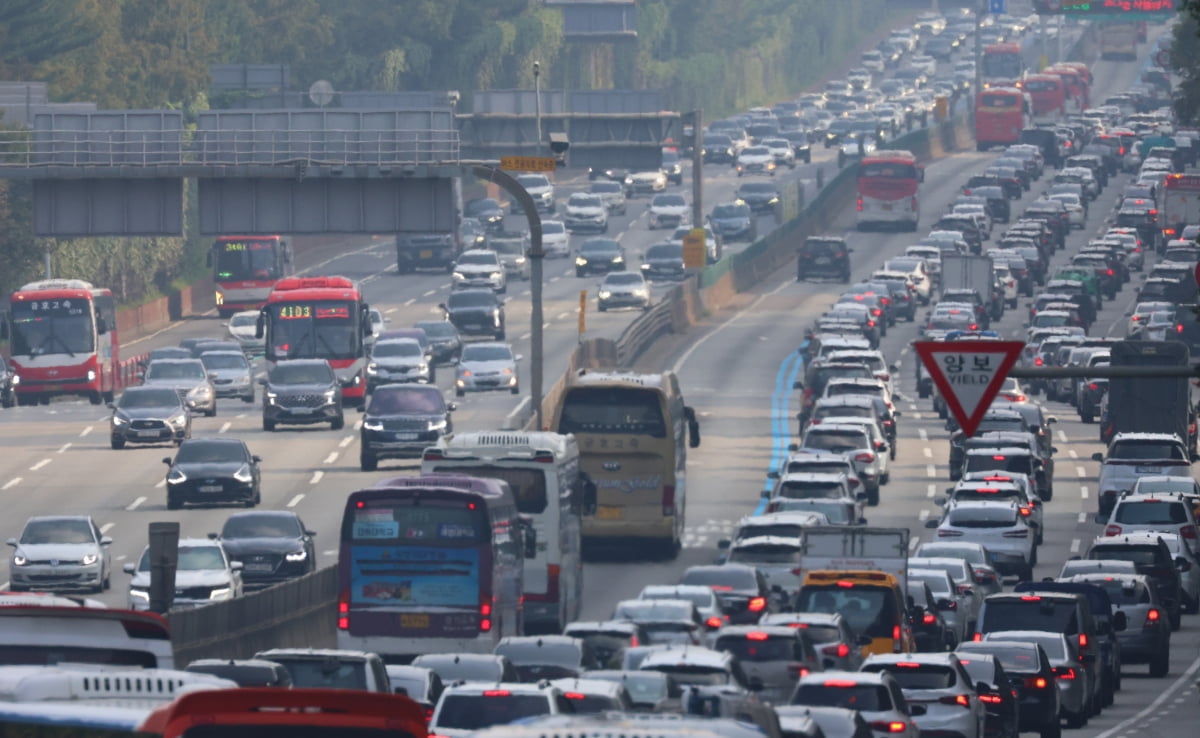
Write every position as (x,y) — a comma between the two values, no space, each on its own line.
(320,318)
(887,190)
(1074,84)
(63,341)
(246,269)
(1002,65)
(1001,113)
(1049,96)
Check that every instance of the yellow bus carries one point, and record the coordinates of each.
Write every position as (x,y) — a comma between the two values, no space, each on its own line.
(633,431)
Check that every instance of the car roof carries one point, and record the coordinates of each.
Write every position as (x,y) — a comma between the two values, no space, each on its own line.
(944,658)
(875,678)
(687,655)
(521,688)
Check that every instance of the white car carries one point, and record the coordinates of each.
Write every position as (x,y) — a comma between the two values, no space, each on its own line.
(613,195)
(854,442)
(540,188)
(939,683)
(701,596)
(242,326)
(623,289)
(555,240)
(668,211)
(781,149)
(872,61)
(925,63)
(586,212)
(999,526)
(877,696)
(756,160)
(1012,290)
(862,77)
(479,268)
(917,268)
(1141,314)
(645,183)
(466,708)
(1076,214)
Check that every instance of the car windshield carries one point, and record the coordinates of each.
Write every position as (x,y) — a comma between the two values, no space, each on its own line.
(628,278)
(285,373)
(699,598)
(532,180)
(1146,449)
(479,207)
(398,400)
(599,248)
(243,320)
(478,257)
(851,696)
(765,553)
(644,688)
(1139,555)
(722,578)
(1014,658)
(1151,512)
(224,361)
(867,610)
(721,212)
(487,353)
(758,188)
(437,328)
(1030,613)
(669,201)
(758,646)
(606,187)
(63,530)
(210,452)
(837,512)
(191,558)
(917,676)
(553,227)
(508,247)
(175,370)
(260,526)
(665,251)
(1123,592)
(147,398)
(410,349)
(453,668)
(584,200)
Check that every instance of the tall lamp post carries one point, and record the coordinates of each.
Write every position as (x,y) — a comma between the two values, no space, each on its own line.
(537,104)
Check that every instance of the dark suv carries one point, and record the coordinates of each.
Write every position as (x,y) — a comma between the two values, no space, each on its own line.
(302,392)
(1152,557)
(425,251)
(823,256)
(476,312)
(401,421)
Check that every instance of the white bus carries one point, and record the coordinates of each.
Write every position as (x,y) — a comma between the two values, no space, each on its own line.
(542,469)
(43,629)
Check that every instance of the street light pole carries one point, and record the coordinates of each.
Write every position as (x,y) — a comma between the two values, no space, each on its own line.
(537,104)
(979,11)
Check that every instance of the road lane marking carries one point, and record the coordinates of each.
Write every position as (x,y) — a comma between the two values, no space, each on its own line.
(346,442)
(1079,470)
(1074,545)
(1083,492)
(1071,452)
(389,311)
(11,483)
(135,504)
(923,434)
(358,424)
(928,452)
(524,336)
(562,316)
(923,516)
(429,293)
(295,500)
(1184,679)
(1062,436)
(85,431)
(40,464)
(64,448)
(1082,517)
(931,491)
(931,470)
(316,477)
(409,301)
(106,528)
(913,543)
(330,552)
(225,427)
(916,416)
(161,483)
(555,279)
(332,457)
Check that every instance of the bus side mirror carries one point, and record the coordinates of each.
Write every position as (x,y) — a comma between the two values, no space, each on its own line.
(101,326)
(693,427)
(589,497)
(260,326)
(530,536)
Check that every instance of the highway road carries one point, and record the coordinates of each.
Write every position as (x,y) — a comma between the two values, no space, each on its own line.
(736,370)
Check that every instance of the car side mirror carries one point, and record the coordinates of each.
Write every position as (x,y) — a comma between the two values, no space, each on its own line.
(1054,449)
(861,521)
(12,541)
(1119,621)
(105,541)
(213,535)
(235,565)
(110,406)
(941,500)
(262,382)
(798,385)
(256,459)
(530,536)
(931,524)
(982,688)
(362,408)
(127,567)
(452,406)
(723,544)
(518,357)
(1098,457)
(167,460)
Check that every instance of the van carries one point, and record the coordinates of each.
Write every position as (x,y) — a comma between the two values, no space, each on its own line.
(871,601)
(329,668)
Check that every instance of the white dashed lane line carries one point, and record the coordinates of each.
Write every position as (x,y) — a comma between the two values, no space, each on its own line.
(1082,518)
(64,448)
(316,477)
(227,425)
(104,529)
(1062,436)
(135,504)
(923,434)
(295,500)
(11,483)
(1081,472)
(1083,492)
(332,457)
(930,470)
(931,491)
(923,516)
(40,464)
(1075,545)
(85,431)
(346,442)
(928,452)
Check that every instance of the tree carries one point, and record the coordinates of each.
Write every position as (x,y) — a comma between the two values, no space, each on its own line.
(1185,61)
(34,31)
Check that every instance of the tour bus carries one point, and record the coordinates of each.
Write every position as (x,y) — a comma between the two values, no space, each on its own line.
(1002,65)
(1049,96)
(542,469)
(633,431)
(887,190)
(1075,87)
(246,269)
(62,337)
(320,318)
(431,564)
(38,628)
(1001,113)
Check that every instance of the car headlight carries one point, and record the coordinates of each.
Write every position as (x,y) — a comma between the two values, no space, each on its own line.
(91,375)
(618,259)
(508,370)
(437,425)
(642,292)
(270,396)
(297,556)
(16,379)
(330,394)
(629,180)
(373,425)
(605,294)
(175,476)
(118,420)
(89,559)
(422,367)
(178,420)
(580,261)
(520,260)
(199,392)
(496,317)
(221,593)
(372,368)
(458,276)
(244,475)
(139,594)
(19,559)
(495,275)
(773,200)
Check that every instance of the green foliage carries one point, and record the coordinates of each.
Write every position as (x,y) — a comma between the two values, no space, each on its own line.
(1185,60)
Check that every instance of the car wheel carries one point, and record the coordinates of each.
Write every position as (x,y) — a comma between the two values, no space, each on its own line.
(1191,605)
(118,443)
(212,413)
(107,583)
(173,502)
(268,425)
(499,336)
(248,399)
(601,307)
(1026,573)
(1175,616)
(460,392)
(885,478)
(368,461)
(873,496)
(338,423)
(1051,731)
(516,390)
(1160,664)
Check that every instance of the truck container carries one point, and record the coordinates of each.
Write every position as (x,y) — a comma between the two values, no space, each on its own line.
(1180,200)
(968,271)
(854,548)
(1148,404)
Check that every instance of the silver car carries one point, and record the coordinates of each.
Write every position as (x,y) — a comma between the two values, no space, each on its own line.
(204,573)
(512,252)
(230,373)
(623,289)
(189,378)
(613,195)
(398,360)
(855,444)
(242,327)
(60,552)
(487,366)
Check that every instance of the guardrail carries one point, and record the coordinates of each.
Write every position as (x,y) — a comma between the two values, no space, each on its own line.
(650,325)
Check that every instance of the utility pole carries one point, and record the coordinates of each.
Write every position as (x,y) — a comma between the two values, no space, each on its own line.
(980,9)
(537,104)
(696,118)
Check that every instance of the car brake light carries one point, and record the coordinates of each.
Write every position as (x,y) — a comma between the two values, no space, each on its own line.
(668,499)
(977,637)
(574,695)
(896,637)
(957,699)
(1036,682)
(1179,328)
(1038,361)
(841,683)
(1025,510)
(757,604)
(1154,211)
(1112,530)
(865,457)
(343,621)
(929,619)
(757,635)
(884,726)
(714,622)
(990,699)
(859,205)
(1064,672)
(841,650)
(496,693)
(1152,617)
(997,458)
(1188,531)
(973,327)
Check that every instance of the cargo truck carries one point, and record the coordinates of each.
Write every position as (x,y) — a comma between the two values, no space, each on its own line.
(1180,200)
(968,272)
(1150,404)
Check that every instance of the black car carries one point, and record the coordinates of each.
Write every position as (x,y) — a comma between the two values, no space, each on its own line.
(165,352)
(401,421)
(965,225)
(742,590)
(487,211)
(600,256)
(760,196)
(997,692)
(718,148)
(663,261)
(445,345)
(432,250)
(149,415)
(823,256)
(672,166)
(475,312)
(8,382)
(929,627)
(734,221)
(302,392)
(273,546)
(801,144)
(207,470)
(1152,557)
(245,672)
(1030,676)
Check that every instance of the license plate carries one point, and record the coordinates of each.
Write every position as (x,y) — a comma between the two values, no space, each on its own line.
(426,254)
(148,434)
(210,488)
(822,260)
(472,326)
(887,206)
(414,621)
(259,567)
(1148,469)
(609,513)
(54,388)
(405,436)
(301,411)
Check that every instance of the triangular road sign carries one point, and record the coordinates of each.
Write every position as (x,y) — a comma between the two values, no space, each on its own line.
(968,374)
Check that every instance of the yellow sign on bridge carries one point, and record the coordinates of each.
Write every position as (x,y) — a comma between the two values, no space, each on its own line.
(527,163)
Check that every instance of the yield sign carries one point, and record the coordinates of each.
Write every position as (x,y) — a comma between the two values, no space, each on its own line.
(968,374)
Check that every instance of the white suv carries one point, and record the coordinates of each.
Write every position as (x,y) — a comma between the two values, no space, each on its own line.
(479,268)
(465,708)
(940,683)
(999,526)
(1160,512)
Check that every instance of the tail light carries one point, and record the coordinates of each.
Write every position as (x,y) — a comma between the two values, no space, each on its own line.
(1064,672)
(840,650)
(496,693)
(884,726)
(1168,231)
(879,445)
(1110,272)
(668,499)
(876,312)
(896,638)
(1083,645)
(1179,328)
(485,616)
(865,457)
(1154,211)
(929,619)
(1025,510)
(974,326)
(1093,386)
(858,205)
(1153,616)
(1188,531)
(870,324)
(956,699)
(343,621)
(757,604)
(990,699)
(714,622)
(815,421)
(428,716)
(574,695)
(1036,682)
(798,670)
(1038,361)
(1112,530)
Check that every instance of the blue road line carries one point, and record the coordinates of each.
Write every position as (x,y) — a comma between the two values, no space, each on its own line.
(789,368)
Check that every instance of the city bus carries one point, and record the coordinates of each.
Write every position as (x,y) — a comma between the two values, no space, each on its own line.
(1002,65)
(887,190)
(633,431)
(1049,96)
(62,337)
(542,468)
(319,318)
(246,269)
(1075,87)
(431,564)
(43,629)
(1001,113)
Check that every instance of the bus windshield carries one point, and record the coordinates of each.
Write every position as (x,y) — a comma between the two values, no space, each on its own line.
(324,329)
(52,326)
(612,410)
(1004,64)
(245,259)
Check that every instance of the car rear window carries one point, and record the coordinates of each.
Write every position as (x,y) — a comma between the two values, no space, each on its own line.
(765,553)
(1030,613)
(868,610)
(982,517)
(1139,555)
(1151,513)
(811,490)
(836,441)
(999,462)
(863,697)
(912,675)
(758,646)
(1125,593)
(473,712)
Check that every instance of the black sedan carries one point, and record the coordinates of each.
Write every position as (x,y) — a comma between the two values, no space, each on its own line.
(445,345)
(401,421)
(273,546)
(476,312)
(209,470)
(149,415)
